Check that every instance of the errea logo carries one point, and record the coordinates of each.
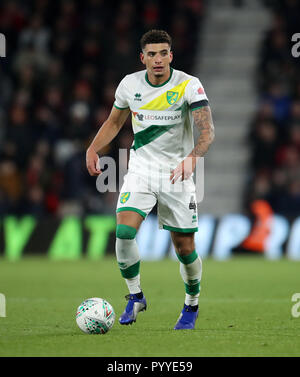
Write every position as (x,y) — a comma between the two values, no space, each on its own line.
(137,97)
(2,46)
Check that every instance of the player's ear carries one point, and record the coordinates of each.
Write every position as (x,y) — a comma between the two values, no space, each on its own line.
(142,57)
(171,56)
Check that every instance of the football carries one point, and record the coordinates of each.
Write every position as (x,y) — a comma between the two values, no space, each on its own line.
(95,316)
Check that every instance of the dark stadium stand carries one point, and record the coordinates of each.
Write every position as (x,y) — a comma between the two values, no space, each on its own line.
(57,83)
(275,129)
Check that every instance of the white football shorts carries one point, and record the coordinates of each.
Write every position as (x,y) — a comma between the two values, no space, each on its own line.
(176,203)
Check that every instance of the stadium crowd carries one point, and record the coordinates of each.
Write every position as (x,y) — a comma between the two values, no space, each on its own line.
(275,128)
(63,63)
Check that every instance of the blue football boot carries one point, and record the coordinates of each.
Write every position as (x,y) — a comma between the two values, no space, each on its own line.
(187,318)
(134,306)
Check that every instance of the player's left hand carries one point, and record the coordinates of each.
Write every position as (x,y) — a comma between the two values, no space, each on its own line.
(184,170)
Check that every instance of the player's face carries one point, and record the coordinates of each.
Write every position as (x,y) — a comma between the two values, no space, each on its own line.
(157,58)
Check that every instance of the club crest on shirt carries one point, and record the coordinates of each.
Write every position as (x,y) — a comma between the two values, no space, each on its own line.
(172,97)
(124,197)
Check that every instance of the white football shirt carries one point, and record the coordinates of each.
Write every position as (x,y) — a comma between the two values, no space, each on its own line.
(162,120)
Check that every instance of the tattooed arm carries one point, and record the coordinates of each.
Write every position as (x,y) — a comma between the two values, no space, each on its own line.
(204,123)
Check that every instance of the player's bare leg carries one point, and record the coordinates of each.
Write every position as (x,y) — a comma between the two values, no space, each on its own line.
(128,223)
(190,270)
(130,218)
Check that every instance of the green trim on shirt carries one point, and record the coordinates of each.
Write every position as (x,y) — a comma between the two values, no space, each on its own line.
(121,108)
(149,134)
(158,86)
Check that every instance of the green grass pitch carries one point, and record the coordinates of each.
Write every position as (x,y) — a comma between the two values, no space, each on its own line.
(245,309)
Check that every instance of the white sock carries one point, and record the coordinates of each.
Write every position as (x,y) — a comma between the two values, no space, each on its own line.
(128,258)
(191,274)
(191,299)
(133,284)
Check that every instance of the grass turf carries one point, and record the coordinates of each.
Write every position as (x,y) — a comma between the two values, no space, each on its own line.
(245,309)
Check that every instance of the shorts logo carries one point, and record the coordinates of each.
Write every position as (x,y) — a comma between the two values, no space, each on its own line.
(192,204)
(172,97)
(124,197)
(122,265)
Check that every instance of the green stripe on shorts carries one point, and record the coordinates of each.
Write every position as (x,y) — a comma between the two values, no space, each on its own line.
(180,230)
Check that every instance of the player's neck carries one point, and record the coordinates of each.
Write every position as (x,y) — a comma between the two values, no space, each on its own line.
(159,80)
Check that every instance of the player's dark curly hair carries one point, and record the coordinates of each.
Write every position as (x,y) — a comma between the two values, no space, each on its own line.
(155,36)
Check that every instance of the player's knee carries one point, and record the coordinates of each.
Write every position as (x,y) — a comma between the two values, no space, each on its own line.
(125,232)
(184,246)
(190,259)
(184,251)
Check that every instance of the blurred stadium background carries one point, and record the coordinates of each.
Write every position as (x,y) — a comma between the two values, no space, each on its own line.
(63,62)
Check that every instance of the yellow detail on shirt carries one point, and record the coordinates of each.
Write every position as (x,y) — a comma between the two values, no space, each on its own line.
(168,98)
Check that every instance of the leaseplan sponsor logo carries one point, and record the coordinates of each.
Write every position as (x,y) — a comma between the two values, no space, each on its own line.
(140,117)
(152,117)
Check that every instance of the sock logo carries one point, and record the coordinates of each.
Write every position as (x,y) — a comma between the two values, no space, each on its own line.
(122,265)
(193,282)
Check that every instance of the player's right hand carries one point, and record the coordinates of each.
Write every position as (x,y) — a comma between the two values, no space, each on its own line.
(92,162)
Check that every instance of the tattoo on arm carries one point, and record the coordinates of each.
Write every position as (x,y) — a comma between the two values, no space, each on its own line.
(204,123)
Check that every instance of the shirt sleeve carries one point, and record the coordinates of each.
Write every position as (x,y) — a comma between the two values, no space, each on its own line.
(195,94)
(121,96)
